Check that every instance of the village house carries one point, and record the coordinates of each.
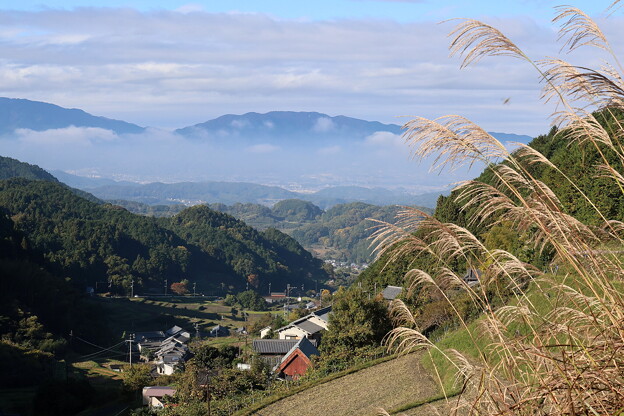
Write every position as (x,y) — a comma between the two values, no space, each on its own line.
(167,349)
(264,332)
(275,297)
(310,326)
(153,396)
(297,360)
(271,351)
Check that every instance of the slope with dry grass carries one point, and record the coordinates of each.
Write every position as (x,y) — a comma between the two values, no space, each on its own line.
(563,354)
(390,384)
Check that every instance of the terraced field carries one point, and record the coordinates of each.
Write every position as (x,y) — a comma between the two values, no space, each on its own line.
(388,385)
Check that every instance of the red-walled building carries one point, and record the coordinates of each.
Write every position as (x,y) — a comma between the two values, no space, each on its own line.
(296,361)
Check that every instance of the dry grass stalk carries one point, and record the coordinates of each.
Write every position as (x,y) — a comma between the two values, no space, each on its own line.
(564,355)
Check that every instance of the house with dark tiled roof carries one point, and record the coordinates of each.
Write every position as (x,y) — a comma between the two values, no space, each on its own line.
(297,360)
(271,351)
(167,348)
(310,326)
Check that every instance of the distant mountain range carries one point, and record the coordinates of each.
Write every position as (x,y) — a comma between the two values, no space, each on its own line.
(18,113)
(280,126)
(192,193)
(308,150)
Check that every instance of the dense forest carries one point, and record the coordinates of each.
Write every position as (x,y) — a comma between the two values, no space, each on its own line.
(106,247)
(339,233)
(575,160)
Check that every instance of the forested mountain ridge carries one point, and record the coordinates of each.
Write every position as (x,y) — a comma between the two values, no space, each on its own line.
(341,233)
(576,160)
(97,243)
(13,168)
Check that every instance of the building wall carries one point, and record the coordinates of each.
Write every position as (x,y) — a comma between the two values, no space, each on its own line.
(296,366)
(292,333)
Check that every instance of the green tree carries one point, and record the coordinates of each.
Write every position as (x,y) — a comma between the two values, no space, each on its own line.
(250,299)
(136,377)
(356,321)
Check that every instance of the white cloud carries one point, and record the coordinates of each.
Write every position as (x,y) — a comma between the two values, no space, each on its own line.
(190,8)
(269,124)
(323,125)
(262,148)
(74,136)
(239,123)
(385,139)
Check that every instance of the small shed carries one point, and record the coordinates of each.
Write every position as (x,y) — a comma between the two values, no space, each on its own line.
(296,361)
(219,331)
(472,277)
(391,292)
(152,396)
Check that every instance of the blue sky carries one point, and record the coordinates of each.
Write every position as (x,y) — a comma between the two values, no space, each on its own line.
(175,63)
(171,64)
(399,10)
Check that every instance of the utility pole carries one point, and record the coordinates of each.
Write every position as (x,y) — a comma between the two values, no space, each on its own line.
(130,348)
(194,287)
(269,288)
(287,299)
(166,281)
(132,288)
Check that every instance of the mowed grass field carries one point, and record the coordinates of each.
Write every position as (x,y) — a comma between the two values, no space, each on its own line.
(128,315)
(388,385)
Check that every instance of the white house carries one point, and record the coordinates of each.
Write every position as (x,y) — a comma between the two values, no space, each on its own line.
(310,326)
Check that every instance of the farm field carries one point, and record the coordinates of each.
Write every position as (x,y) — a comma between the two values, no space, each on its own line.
(127,315)
(388,385)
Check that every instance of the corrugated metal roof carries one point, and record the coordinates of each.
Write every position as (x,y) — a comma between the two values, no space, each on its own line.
(310,327)
(391,292)
(273,346)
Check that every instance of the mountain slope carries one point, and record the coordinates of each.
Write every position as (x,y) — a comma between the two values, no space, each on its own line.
(283,126)
(287,125)
(103,243)
(13,168)
(39,116)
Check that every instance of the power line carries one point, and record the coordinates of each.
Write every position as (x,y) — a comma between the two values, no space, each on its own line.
(95,345)
(104,350)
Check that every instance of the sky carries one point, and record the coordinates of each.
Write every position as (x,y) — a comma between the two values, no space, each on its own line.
(169,64)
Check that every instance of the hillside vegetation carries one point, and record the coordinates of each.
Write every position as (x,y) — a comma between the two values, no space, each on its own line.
(93,243)
(340,233)
(540,326)
(390,385)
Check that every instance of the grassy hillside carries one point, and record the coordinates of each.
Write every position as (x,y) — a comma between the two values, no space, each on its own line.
(390,385)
